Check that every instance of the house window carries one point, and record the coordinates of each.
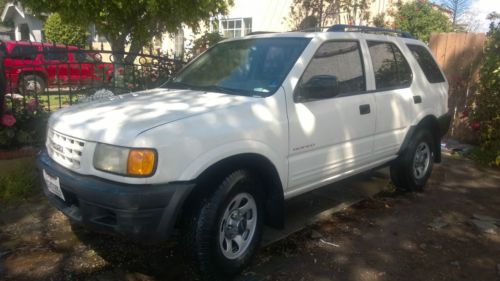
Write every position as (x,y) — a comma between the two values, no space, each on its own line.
(237,27)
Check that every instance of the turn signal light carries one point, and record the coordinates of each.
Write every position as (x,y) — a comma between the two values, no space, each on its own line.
(141,162)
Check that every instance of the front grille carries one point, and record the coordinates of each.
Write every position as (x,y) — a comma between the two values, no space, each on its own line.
(65,150)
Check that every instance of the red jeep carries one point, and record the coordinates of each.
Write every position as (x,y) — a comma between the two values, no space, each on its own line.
(34,66)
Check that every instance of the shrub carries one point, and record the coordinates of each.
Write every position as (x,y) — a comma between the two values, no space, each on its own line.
(487,103)
(59,32)
(420,19)
(205,41)
(379,20)
(22,124)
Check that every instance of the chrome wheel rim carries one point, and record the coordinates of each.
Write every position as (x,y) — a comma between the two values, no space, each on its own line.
(237,226)
(421,160)
(32,85)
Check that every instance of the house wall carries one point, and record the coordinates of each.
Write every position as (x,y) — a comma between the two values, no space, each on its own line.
(266,15)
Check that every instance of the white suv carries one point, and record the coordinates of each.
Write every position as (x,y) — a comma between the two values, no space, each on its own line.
(248,124)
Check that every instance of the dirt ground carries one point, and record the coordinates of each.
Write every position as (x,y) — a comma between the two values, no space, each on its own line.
(423,236)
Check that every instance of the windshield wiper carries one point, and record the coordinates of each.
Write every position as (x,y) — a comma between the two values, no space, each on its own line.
(224,90)
(178,85)
(210,88)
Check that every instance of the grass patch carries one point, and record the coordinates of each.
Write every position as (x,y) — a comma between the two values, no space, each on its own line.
(19,180)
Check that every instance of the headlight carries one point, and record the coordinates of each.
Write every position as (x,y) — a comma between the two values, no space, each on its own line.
(125,161)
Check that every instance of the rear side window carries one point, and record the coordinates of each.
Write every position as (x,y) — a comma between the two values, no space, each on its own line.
(59,54)
(391,69)
(427,63)
(339,59)
(24,52)
(81,56)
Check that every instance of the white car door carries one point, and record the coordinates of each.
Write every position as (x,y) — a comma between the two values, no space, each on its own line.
(396,105)
(331,133)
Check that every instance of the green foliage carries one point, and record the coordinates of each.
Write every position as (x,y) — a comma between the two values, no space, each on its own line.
(18,183)
(487,103)
(420,19)
(485,157)
(57,31)
(379,20)
(306,14)
(133,22)
(206,41)
(29,127)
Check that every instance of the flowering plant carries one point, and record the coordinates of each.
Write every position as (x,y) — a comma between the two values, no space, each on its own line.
(22,123)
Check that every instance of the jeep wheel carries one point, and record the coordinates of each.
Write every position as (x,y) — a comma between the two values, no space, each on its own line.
(413,168)
(32,84)
(224,232)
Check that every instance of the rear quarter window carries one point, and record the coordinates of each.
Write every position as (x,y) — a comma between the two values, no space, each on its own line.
(427,63)
(391,69)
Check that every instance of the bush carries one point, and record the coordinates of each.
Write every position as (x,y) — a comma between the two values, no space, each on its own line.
(420,19)
(59,32)
(379,20)
(205,41)
(22,125)
(487,103)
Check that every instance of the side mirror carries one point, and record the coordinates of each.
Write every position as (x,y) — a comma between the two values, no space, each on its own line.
(320,87)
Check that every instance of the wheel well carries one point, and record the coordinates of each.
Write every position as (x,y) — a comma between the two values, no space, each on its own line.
(36,73)
(431,123)
(260,167)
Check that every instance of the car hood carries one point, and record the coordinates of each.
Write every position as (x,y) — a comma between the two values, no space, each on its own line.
(119,119)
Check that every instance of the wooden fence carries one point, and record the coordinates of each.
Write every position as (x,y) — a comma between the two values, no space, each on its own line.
(460,56)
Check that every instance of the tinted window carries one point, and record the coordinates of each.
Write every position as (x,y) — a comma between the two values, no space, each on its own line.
(59,54)
(390,66)
(24,52)
(427,63)
(83,57)
(340,59)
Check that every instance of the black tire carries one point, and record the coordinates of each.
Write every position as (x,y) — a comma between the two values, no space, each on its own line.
(405,173)
(204,227)
(32,84)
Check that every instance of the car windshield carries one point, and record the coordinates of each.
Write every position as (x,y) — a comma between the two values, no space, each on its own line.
(252,67)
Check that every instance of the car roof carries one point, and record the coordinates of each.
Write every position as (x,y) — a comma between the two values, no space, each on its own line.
(38,44)
(329,35)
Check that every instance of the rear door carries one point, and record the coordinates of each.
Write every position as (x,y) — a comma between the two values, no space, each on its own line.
(395,105)
(82,68)
(330,136)
(56,60)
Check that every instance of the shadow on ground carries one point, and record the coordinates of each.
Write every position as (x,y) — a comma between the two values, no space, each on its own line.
(423,236)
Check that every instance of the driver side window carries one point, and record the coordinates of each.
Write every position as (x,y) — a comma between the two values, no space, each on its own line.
(336,69)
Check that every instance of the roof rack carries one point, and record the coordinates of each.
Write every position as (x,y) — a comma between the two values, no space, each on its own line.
(367,29)
(259,32)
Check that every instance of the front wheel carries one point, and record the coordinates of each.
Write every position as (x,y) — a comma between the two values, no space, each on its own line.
(224,231)
(32,84)
(413,168)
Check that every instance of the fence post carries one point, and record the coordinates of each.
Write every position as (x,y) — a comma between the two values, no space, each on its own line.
(3,84)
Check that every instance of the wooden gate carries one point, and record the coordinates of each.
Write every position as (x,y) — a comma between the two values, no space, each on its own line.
(460,56)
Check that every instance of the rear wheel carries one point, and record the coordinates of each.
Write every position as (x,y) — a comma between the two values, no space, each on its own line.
(224,231)
(413,168)
(32,85)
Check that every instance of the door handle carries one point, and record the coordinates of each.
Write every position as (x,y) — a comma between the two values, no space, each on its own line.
(417,99)
(364,109)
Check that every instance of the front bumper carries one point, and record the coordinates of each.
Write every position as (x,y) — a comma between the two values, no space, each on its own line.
(146,213)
